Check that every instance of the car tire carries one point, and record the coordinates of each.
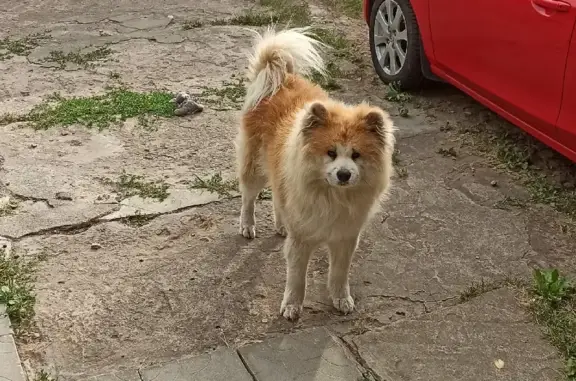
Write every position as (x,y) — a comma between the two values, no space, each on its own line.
(409,76)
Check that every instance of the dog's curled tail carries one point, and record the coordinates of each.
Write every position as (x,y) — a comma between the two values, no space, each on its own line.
(277,54)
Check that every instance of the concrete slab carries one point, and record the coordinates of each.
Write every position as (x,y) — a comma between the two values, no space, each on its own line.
(10,367)
(310,355)
(224,364)
(462,343)
(5,326)
(178,199)
(126,375)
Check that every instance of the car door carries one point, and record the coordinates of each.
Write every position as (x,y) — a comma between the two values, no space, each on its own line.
(511,52)
(567,119)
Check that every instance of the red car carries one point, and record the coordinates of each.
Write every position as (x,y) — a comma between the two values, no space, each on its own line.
(516,57)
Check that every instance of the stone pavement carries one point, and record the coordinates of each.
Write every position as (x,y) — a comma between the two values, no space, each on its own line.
(460,343)
(311,355)
(117,296)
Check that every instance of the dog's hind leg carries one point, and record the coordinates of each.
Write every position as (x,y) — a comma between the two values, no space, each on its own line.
(341,253)
(251,181)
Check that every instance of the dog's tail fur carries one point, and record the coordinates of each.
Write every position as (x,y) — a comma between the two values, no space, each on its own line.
(277,54)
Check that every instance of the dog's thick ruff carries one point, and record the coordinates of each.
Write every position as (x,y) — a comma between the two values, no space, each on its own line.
(328,163)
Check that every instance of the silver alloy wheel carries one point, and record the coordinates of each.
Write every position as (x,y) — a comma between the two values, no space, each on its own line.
(390,37)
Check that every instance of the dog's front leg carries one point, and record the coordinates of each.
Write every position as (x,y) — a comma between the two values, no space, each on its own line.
(341,253)
(297,253)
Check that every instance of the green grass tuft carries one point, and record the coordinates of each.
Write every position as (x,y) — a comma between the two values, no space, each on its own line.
(83,59)
(351,8)
(10,47)
(543,191)
(394,94)
(293,13)
(136,185)
(234,91)
(192,24)
(216,184)
(44,376)
(554,306)
(99,111)
(17,290)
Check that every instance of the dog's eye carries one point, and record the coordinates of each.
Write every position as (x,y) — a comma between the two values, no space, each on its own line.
(332,154)
(355,155)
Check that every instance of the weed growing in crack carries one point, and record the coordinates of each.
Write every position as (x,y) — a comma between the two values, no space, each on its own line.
(17,290)
(518,154)
(249,18)
(216,184)
(98,111)
(10,47)
(394,94)
(44,376)
(294,13)
(137,220)
(478,288)
(350,8)
(136,185)
(192,24)
(233,91)
(86,59)
(554,306)
(510,201)
(543,191)
(340,47)
(9,118)
(335,40)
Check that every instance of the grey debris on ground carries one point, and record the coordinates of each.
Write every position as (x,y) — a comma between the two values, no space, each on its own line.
(186,105)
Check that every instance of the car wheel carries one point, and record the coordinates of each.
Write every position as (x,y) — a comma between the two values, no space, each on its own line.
(395,43)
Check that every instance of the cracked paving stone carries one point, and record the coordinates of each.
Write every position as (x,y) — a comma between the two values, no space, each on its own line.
(147,22)
(126,375)
(219,365)
(10,368)
(310,355)
(461,343)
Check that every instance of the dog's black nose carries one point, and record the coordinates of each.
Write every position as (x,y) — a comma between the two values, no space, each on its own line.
(343,175)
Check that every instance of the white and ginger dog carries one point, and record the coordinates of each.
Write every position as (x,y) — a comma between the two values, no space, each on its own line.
(328,163)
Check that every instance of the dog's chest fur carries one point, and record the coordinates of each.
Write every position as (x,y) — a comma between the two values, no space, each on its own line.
(325,215)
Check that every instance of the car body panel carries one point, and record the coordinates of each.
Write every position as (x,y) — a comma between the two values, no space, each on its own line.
(495,60)
(567,120)
(506,50)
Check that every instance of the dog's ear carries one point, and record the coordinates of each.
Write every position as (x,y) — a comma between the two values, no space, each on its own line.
(378,123)
(316,116)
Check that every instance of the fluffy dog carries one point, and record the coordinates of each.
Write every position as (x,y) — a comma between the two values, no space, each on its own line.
(328,163)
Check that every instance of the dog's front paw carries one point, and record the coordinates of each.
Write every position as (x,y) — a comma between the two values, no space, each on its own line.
(344,305)
(248,231)
(291,312)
